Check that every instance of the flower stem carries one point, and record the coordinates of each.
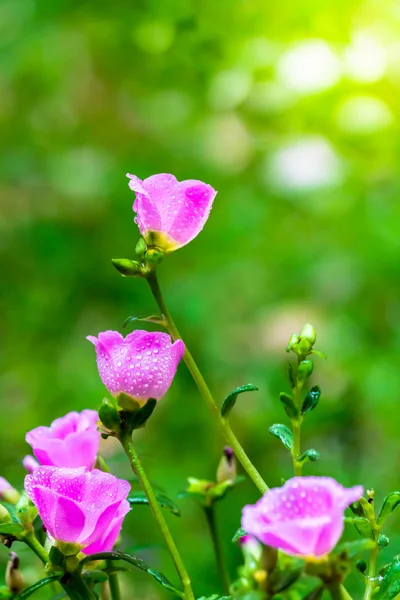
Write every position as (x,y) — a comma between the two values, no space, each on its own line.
(136,465)
(205,391)
(339,592)
(34,544)
(113,583)
(296,424)
(371,572)
(219,555)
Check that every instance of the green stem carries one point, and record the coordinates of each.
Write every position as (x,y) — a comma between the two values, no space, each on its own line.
(296,424)
(371,573)
(113,583)
(34,544)
(339,592)
(205,391)
(219,555)
(138,470)
(77,585)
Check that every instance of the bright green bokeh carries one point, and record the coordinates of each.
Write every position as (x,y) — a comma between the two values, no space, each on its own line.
(291,111)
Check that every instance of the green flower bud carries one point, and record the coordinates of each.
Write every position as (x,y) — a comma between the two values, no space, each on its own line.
(308,333)
(305,369)
(141,248)
(109,415)
(127,267)
(226,470)
(294,339)
(5,516)
(154,256)
(303,347)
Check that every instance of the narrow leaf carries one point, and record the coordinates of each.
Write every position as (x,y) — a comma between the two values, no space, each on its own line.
(36,586)
(289,405)
(157,319)
(355,547)
(391,501)
(309,455)
(315,594)
(11,528)
(139,417)
(364,528)
(311,399)
(240,533)
(163,501)
(136,562)
(389,581)
(282,580)
(231,398)
(282,433)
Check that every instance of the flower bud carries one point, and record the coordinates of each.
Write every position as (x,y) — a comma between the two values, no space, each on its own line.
(5,516)
(141,248)
(127,267)
(226,470)
(294,339)
(7,492)
(305,369)
(14,579)
(308,333)
(29,463)
(109,415)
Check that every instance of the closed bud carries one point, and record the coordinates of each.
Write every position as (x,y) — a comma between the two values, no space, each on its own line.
(226,470)
(303,347)
(5,516)
(154,256)
(141,248)
(294,339)
(127,267)
(304,369)
(308,333)
(109,416)
(14,579)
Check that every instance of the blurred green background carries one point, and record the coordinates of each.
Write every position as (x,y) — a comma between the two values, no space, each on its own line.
(290,110)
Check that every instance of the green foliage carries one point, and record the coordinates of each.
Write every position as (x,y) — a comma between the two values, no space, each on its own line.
(311,399)
(391,502)
(282,433)
(37,586)
(231,398)
(162,499)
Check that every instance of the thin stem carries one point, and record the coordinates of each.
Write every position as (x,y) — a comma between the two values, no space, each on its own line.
(113,583)
(219,555)
(78,585)
(138,470)
(371,572)
(339,592)
(205,391)
(34,544)
(296,424)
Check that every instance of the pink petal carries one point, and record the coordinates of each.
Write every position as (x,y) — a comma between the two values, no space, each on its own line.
(107,541)
(68,521)
(196,199)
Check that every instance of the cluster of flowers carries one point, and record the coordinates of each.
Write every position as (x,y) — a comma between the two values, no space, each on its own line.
(85,506)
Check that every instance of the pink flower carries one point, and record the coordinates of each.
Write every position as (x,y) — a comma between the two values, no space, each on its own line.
(29,463)
(79,506)
(71,441)
(175,211)
(303,517)
(142,365)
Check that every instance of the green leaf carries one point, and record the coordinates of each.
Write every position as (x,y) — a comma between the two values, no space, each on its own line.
(318,353)
(364,528)
(11,528)
(36,586)
(215,597)
(240,533)
(163,501)
(315,594)
(157,319)
(391,501)
(291,376)
(282,433)
(95,576)
(282,580)
(390,581)
(311,399)
(231,398)
(136,562)
(11,511)
(383,541)
(5,593)
(290,407)
(355,547)
(309,455)
(139,417)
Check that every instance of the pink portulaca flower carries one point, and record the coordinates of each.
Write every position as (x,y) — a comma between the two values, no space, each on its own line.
(71,441)
(79,506)
(304,517)
(142,365)
(170,213)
